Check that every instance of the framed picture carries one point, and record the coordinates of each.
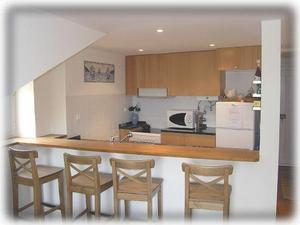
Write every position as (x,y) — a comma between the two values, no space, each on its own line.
(99,72)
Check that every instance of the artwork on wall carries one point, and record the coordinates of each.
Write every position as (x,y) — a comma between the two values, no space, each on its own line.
(99,72)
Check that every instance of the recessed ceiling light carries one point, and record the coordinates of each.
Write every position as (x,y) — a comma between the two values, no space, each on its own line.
(159,30)
(141,50)
(211,45)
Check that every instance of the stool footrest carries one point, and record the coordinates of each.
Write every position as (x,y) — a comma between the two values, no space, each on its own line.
(48,204)
(81,214)
(51,210)
(25,206)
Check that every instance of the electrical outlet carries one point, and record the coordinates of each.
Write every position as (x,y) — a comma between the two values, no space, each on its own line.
(208,98)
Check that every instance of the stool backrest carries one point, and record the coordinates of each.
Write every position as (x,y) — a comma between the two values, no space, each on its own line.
(144,166)
(220,172)
(23,162)
(90,172)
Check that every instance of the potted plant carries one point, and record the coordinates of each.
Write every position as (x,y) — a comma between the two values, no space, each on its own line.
(134,115)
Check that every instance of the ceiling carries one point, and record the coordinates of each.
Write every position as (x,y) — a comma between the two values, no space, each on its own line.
(185,29)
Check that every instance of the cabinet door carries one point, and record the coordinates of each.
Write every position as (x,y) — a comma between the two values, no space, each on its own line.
(140,71)
(249,56)
(204,78)
(146,71)
(168,138)
(178,69)
(200,140)
(228,58)
(131,75)
(154,75)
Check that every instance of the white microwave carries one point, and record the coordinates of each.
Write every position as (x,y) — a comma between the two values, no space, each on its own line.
(181,119)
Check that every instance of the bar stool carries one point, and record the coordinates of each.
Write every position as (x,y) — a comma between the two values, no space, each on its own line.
(210,195)
(87,181)
(135,187)
(25,171)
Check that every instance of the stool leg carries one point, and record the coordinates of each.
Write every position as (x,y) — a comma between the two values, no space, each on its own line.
(88,205)
(69,204)
(61,194)
(159,203)
(187,210)
(37,199)
(116,207)
(226,209)
(15,199)
(126,204)
(149,208)
(97,205)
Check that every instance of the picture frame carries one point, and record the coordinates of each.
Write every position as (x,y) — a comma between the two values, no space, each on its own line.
(99,72)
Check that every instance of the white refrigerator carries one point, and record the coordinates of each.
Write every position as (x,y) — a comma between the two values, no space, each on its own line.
(235,125)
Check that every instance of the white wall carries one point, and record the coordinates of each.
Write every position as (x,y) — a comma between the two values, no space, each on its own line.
(94,110)
(41,41)
(287,149)
(50,102)
(24,111)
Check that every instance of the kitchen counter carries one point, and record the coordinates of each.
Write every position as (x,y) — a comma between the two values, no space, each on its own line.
(129,125)
(52,141)
(207,131)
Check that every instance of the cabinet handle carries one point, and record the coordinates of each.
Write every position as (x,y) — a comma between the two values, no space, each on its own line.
(235,67)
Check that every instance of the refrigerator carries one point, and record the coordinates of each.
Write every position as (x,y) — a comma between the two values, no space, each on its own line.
(237,125)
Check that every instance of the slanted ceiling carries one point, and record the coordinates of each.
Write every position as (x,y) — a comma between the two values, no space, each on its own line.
(39,41)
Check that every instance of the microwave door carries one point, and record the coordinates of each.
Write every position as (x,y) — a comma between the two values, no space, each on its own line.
(178,119)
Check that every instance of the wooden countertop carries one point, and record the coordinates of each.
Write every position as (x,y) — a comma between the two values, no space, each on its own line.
(140,149)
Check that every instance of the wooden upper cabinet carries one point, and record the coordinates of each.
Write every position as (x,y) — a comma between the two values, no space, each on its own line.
(183,74)
(145,71)
(193,74)
(238,58)
(228,58)
(178,70)
(155,71)
(249,56)
(131,75)
(188,73)
(204,78)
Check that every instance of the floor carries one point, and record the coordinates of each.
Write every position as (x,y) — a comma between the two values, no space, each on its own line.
(286,195)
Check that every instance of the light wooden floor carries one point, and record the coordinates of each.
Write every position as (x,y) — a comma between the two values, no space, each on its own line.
(286,195)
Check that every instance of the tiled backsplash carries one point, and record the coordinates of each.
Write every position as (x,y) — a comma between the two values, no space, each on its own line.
(96,116)
(154,110)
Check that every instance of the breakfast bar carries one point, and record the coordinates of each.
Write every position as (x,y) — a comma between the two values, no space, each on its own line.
(57,141)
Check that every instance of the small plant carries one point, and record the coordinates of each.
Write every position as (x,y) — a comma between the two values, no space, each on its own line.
(134,108)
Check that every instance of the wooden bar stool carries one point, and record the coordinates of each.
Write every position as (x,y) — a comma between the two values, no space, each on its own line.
(210,195)
(24,171)
(135,187)
(87,181)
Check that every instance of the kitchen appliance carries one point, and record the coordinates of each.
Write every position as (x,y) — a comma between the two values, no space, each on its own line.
(236,125)
(181,119)
(143,137)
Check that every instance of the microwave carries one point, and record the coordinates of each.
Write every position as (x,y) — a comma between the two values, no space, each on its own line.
(181,119)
